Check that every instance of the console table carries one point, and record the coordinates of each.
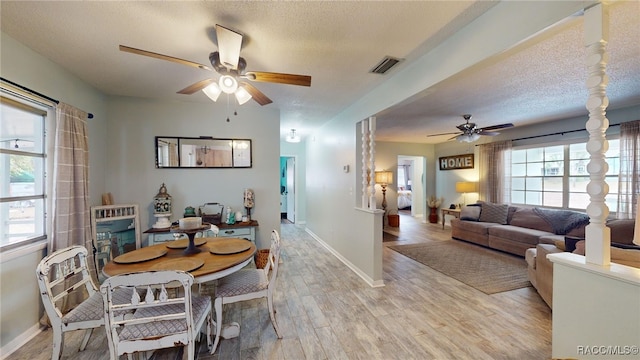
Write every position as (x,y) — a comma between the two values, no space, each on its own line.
(243,230)
(453,212)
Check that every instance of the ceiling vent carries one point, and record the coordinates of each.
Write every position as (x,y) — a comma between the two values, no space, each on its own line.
(385,65)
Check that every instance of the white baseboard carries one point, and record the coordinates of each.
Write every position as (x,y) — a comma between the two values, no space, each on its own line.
(355,269)
(19,341)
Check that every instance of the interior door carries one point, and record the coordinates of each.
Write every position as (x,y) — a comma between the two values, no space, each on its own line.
(291,190)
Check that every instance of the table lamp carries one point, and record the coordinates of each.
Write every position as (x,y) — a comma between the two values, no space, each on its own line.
(465,187)
(384,178)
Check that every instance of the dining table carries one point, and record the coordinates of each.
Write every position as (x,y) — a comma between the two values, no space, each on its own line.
(220,256)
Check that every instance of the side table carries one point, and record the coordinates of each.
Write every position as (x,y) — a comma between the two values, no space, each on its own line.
(453,212)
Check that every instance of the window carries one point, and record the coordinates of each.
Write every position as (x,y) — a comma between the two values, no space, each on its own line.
(22,178)
(556,176)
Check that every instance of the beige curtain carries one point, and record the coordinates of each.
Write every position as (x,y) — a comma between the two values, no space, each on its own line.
(70,209)
(629,176)
(494,165)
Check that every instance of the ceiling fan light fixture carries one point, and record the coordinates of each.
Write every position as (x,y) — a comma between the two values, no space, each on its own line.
(468,138)
(293,137)
(228,84)
(242,95)
(212,91)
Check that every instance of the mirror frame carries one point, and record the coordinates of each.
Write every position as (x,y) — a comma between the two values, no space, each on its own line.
(239,156)
(110,213)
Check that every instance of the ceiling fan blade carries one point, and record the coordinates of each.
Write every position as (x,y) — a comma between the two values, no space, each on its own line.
(449,133)
(256,94)
(163,57)
(489,133)
(289,79)
(495,127)
(229,44)
(196,87)
(455,137)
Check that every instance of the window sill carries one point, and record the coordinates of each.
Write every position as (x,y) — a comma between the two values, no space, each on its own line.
(22,251)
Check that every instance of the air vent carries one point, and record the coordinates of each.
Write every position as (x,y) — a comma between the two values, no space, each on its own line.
(385,65)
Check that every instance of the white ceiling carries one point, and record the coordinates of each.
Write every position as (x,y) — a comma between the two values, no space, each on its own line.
(337,43)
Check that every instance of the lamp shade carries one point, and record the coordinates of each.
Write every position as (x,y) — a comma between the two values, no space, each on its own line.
(213,91)
(242,95)
(466,186)
(384,177)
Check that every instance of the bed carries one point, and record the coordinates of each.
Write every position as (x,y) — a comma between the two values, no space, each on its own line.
(404,199)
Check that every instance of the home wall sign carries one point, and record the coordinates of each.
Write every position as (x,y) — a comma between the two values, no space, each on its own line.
(464,161)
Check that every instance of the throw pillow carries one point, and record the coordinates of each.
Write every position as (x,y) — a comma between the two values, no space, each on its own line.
(570,243)
(494,213)
(470,213)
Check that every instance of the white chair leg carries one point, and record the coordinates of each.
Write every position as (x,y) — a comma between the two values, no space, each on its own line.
(85,339)
(58,343)
(218,309)
(272,315)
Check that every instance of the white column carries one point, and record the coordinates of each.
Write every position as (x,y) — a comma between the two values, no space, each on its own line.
(372,162)
(366,172)
(598,235)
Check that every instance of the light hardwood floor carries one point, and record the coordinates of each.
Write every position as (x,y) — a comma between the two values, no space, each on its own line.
(325,311)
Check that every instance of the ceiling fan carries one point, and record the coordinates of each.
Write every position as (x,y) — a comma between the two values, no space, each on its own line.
(232,69)
(469,132)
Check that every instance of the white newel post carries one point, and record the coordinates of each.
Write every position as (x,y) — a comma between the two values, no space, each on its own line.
(372,162)
(368,129)
(366,172)
(597,234)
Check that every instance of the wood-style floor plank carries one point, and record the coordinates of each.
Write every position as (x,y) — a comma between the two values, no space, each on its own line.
(325,311)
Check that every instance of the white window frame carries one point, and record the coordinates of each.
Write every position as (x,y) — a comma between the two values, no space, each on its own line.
(566,191)
(11,250)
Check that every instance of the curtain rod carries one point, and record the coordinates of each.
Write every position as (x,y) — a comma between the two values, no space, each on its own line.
(557,133)
(89,115)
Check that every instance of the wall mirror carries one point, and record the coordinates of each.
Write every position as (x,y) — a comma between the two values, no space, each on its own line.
(202,152)
(115,230)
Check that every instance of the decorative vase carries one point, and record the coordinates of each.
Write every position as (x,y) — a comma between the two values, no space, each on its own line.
(433,215)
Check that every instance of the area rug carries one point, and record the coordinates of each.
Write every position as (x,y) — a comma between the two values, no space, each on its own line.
(487,270)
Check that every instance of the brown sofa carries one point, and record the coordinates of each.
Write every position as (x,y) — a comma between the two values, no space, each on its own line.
(510,228)
(540,269)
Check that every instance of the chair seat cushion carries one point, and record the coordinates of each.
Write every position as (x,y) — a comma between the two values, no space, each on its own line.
(200,306)
(89,310)
(242,282)
(93,308)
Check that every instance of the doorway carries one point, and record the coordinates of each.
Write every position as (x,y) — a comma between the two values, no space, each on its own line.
(411,186)
(288,188)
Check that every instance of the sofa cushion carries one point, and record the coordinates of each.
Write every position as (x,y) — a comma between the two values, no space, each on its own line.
(494,213)
(621,231)
(473,226)
(470,213)
(517,234)
(527,218)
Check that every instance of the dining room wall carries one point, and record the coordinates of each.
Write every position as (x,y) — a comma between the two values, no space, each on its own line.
(133,178)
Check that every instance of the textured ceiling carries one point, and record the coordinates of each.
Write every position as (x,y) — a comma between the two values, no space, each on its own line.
(334,42)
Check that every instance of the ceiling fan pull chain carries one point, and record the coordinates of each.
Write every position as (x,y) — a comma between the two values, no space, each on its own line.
(228,108)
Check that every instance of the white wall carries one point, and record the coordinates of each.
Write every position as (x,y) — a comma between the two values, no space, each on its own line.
(133,178)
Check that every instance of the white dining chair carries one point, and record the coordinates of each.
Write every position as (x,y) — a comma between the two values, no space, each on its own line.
(249,284)
(62,276)
(163,318)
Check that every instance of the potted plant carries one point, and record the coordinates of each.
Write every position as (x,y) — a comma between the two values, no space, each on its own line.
(434,203)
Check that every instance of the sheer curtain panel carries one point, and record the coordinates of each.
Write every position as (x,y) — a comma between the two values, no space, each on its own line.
(629,177)
(494,165)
